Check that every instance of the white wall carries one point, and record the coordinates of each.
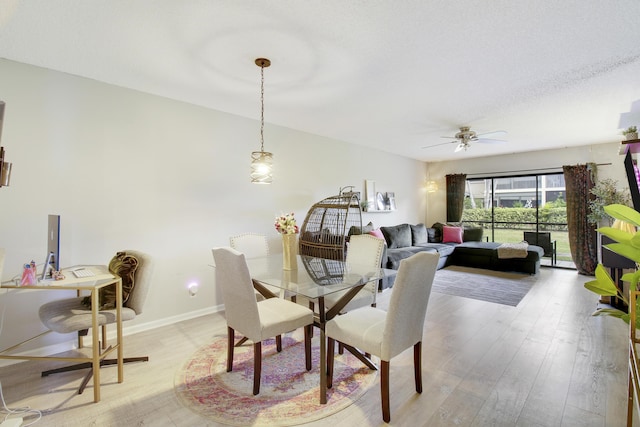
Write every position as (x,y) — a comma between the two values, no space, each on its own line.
(606,155)
(131,170)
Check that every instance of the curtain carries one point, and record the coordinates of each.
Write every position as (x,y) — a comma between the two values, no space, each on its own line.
(455,196)
(582,234)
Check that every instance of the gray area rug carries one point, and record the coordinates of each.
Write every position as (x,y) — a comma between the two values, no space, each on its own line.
(486,285)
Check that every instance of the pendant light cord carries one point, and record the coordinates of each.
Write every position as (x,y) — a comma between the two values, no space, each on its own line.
(262,107)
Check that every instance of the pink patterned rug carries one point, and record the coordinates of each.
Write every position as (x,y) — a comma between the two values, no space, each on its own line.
(289,394)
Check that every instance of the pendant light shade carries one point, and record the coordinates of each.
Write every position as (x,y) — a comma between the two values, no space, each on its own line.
(261,161)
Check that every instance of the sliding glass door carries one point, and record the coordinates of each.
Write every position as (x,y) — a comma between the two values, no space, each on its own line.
(507,207)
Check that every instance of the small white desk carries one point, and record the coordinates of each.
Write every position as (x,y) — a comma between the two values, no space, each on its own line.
(92,284)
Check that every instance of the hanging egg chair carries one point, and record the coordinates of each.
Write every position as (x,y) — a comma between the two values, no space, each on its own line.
(326,227)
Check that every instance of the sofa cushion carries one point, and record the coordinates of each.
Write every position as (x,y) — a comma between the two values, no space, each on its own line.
(451,234)
(472,234)
(397,236)
(444,249)
(377,233)
(431,235)
(396,255)
(419,234)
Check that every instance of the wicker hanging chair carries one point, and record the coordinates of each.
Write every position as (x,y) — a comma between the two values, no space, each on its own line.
(327,224)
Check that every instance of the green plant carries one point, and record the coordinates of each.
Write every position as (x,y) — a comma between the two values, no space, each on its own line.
(630,129)
(628,245)
(605,193)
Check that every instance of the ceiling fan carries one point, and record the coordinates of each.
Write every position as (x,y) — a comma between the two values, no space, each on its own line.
(466,136)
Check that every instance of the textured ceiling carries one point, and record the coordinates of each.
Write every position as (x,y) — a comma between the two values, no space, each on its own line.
(394,75)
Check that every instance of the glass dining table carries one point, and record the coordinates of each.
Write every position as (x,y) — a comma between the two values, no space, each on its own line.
(314,278)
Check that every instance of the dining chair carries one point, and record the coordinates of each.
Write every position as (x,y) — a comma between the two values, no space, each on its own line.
(364,250)
(256,320)
(385,334)
(73,315)
(252,245)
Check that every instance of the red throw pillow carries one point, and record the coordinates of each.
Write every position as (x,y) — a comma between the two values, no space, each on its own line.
(451,234)
(377,233)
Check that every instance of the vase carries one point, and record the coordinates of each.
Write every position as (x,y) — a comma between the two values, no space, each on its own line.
(632,136)
(289,251)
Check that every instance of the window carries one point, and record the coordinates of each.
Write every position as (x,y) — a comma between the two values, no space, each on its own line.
(508,206)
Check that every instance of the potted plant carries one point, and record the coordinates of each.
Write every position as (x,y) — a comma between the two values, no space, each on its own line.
(627,244)
(605,193)
(631,133)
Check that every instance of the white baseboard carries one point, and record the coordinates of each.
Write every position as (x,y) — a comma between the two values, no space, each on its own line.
(72,344)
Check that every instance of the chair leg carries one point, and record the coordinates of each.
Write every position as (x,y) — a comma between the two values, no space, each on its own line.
(230,335)
(242,341)
(312,307)
(417,365)
(331,345)
(85,365)
(104,337)
(257,367)
(384,390)
(278,343)
(307,346)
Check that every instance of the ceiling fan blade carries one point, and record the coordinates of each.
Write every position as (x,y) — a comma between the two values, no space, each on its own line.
(437,145)
(494,133)
(490,141)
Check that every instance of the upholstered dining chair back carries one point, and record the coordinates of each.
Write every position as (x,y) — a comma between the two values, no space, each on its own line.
(365,249)
(408,304)
(241,307)
(250,244)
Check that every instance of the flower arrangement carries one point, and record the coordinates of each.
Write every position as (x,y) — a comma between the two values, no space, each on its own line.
(286,224)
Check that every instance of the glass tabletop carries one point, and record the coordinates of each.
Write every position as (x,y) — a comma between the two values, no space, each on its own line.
(314,277)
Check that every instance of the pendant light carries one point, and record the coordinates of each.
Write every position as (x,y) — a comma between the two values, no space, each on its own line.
(261,161)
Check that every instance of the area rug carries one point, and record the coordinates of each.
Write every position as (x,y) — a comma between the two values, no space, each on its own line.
(289,394)
(486,285)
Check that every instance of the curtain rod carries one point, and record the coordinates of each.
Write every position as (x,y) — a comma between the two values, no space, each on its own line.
(530,170)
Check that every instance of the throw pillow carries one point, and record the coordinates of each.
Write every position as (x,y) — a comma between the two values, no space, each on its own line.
(431,235)
(397,236)
(419,234)
(472,234)
(354,229)
(122,265)
(437,238)
(451,234)
(377,233)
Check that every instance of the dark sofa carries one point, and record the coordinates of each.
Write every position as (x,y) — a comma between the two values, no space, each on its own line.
(405,240)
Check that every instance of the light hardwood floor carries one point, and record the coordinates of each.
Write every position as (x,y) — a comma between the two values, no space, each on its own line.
(547,362)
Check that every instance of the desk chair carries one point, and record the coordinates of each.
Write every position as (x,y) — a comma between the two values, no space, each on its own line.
(72,315)
(256,320)
(386,334)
